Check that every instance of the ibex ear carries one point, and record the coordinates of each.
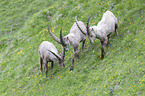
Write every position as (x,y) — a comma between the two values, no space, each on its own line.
(67,38)
(55,59)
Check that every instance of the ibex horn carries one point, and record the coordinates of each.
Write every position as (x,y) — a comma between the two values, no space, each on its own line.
(88,26)
(79,26)
(61,38)
(53,36)
(55,55)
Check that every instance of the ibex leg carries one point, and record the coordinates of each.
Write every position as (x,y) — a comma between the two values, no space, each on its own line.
(103,45)
(83,45)
(52,63)
(73,59)
(46,68)
(116,26)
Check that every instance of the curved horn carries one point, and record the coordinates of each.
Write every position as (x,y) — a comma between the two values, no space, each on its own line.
(53,36)
(88,26)
(58,57)
(61,38)
(79,26)
(63,53)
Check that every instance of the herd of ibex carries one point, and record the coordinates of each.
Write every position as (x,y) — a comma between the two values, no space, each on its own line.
(78,34)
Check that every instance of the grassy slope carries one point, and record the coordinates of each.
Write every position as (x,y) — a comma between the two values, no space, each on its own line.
(23,26)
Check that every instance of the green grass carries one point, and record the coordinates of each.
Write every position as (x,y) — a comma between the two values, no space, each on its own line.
(23,26)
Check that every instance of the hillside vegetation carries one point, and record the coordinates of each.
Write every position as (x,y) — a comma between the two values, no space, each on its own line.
(23,26)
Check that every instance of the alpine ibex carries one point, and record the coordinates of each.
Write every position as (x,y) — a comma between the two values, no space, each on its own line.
(103,30)
(49,53)
(75,37)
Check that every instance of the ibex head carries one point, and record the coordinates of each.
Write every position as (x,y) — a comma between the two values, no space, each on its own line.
(64,41)
(91,35)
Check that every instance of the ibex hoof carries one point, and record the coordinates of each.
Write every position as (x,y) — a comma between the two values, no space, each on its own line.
(78,57)
(102,57)
(71,69)
(63,66)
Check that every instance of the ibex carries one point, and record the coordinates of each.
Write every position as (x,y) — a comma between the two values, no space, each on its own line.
(48,53)
(75,37)
(103,30)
